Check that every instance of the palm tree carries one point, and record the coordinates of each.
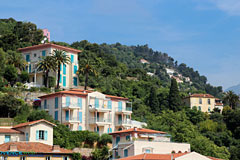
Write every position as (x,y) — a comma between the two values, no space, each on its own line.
(16,59)
(60,58)
(231,99)
(85,67)
(46,65)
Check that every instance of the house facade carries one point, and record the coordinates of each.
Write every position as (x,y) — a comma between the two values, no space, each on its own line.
(33,54)
(89,110)
(36,131)
(203,102)
(135,141)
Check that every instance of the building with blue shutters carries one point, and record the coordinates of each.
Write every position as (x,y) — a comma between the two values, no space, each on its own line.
(90,110)
(68,75)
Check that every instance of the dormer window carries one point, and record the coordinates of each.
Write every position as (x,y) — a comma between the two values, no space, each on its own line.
(48,158)
(41,135)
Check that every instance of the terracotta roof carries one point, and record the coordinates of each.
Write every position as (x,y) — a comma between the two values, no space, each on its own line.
(33,147)
(218,104)
(116,97)
(9,130)
(47,45)
(64,92)
(140,130)
(150,156)
(32,123)
(201,96)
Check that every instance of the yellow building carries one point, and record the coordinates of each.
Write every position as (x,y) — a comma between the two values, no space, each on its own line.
(203,102)
(33,151)
(90,110)
(33,54)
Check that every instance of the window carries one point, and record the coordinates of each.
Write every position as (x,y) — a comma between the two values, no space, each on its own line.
(56,115)
(35,55)
(80,128)
(29,68)
(75,81)
(109,130)
(7,138)
(199,108)
(72,58)
(43,53)
(119,106)
(96,103)
(117,139)
(28,58)
(80,117)
(48,158)
(109,104)
(80,103)
(64,69)
(147,151)
(23,158)
(209,101)
(64,81)
(126,153)
(27,137)
(67,115)
(200,100)
(45,104)
(41,135)
(65,158)
(128,138)
(209,109)
(56,102)
(68,101)
(75,69)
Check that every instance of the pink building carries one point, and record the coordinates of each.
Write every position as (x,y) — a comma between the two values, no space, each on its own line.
(46,33)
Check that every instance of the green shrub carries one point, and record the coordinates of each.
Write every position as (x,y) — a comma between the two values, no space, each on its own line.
(45,89)
(51,82)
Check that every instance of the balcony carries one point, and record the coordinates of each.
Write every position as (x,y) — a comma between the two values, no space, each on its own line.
(71,106)
(100,108)
(100,121)
(71,120)
(127,110)
(124,123)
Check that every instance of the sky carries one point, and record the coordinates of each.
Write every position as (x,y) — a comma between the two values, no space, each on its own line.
(204,34)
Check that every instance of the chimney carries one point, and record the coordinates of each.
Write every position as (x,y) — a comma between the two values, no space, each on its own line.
(13,148)
(56,148)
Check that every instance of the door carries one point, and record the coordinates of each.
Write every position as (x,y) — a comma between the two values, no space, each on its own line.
(67,115)
(119,119)
(97,117)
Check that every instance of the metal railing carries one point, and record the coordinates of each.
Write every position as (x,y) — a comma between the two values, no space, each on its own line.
(71,105)
(99,120)
(119,109)
(125,122)
(102,107)
(72,119)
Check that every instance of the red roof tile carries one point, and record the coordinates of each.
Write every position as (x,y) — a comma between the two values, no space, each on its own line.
(33,147)
(218,104)
(201,96)
(64,92)
(32,123)
(139,130)
(9,130)
(47,45)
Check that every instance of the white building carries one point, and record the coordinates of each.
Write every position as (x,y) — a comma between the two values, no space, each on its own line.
(88,110)
(33,54)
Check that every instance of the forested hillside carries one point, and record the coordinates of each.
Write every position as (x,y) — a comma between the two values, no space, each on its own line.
(116,70)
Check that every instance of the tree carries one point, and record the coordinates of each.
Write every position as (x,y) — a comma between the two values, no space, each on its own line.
(100,154)
(16,59)
(153,100)
(60,58)
(174,99)
(10,74)
(104,140)
(47,64)
(231,99)
(9,106)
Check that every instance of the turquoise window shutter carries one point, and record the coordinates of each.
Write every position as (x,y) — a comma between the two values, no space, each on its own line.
(75,81)
(72,58)
(126,153)
(80,103)
(56,115)
(80,117)
(60,80)
(110,130)
(28,58)
(27,138)
(30,68)
(119,106)
(64,69)
(43,53)
(109,104)
(67,101)
(45,135)
(96,103)
(56,102)
(80,128)
(67,115)
(117,140)
(37,135)
(75,69)
(64,81)
(45,104)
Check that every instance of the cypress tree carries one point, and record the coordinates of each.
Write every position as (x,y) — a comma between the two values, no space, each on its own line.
(174,99)
(153,100)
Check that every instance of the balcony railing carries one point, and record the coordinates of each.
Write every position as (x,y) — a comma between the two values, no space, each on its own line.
(127,109)
(71,105)
(99,107)
(125,122)
(99,120)
(72,119)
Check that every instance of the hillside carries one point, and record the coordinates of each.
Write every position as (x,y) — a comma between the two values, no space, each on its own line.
(235,89)
(119,71)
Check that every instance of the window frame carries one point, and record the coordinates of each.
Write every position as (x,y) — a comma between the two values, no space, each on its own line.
(41,133)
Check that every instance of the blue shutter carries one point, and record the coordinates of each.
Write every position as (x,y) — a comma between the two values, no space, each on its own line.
(117,139)
(37,135)
(67,101)
(80,117)
(67,115)
(128,138)
(126,153)
(119,106)
(72,58)
(30,68)
(56,115)
(60,80)
(110,130)
(27,138)
(28,58)
(80,128)
(75,81)
(96,103)
(64,69)
(45,104)
(80,103)
(56,102)
(64,81)
(45,135)
(43,53)
(119,119)
(7,138)
(109,104)
(75,69)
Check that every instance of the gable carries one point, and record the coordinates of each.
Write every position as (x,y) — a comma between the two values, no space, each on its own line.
(191,156)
